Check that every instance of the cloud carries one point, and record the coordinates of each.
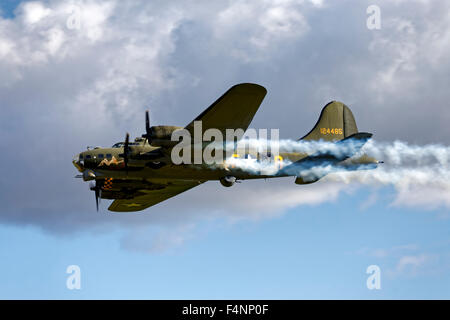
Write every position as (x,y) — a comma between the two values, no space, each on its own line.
(276,20)
(411,260)
(33,12)
(262,27)
(420,188)
(408,260)
(388,252)
(64,87)
(147,240)
(190,216)
(412,263)
(430,197)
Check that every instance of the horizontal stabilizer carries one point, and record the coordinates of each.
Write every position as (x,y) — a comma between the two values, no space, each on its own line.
(311,167)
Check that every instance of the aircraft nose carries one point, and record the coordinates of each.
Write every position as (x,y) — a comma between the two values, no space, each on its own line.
(77,163)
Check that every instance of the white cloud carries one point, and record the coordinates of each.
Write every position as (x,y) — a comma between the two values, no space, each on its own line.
(264,24)
(408,48)
(419,188)
(394,251)
(411,265)
(419,197)
(406,260)
(34,11)
(257,200)
(56,38)
(411,261)
(63,88)
(148,240)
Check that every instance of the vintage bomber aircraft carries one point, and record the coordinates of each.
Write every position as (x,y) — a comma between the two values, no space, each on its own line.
(141,174)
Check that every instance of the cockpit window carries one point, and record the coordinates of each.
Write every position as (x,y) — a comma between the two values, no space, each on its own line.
(121,144)
(81,157)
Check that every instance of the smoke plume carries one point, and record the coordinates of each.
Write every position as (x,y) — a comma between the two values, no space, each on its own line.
(420,174)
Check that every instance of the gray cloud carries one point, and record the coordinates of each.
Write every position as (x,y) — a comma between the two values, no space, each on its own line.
(62,89)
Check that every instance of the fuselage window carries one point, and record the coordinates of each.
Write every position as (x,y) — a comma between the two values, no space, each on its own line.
(108,155)
(88,156)
(100,155)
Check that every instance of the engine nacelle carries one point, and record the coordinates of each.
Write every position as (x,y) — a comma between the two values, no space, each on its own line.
(228,181)
(161,136)
(88,175)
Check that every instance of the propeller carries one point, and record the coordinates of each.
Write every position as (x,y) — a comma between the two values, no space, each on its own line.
(126,151)
(98,192)
(148,131)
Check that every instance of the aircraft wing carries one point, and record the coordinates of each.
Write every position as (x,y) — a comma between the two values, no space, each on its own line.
(234,109)
(152,197)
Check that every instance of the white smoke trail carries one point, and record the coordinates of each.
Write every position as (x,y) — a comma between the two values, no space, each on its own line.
(419,174)
(402,154)
(394,154)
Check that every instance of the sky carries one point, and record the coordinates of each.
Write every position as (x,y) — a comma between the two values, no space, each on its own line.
(79,73)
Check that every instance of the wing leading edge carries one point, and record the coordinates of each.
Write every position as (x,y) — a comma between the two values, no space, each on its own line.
(234,109)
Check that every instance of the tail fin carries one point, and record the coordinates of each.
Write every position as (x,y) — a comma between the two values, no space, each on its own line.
(336,122)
